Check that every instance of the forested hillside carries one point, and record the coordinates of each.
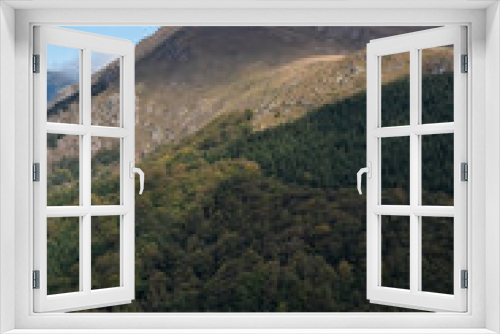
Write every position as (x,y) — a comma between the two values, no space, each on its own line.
(250,139)
(238,220)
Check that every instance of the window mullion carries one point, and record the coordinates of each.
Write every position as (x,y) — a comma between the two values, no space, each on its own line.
(414,172)
(82,179)
(85,246)
(85,162)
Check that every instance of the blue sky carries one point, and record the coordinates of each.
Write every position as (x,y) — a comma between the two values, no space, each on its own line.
(63,59)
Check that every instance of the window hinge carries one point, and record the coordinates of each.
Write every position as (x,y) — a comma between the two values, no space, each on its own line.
(465,63)
(36,279)
(36,172)
(465,279)
(36,63)
(464,172)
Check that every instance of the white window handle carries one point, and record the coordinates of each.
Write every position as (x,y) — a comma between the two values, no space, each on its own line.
(141,175)
(368,171)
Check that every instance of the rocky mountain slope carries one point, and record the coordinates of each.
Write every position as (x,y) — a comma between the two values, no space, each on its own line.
(186,76)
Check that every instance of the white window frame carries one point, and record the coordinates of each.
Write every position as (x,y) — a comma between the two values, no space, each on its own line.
(86,297)
(484,308)
(413,44)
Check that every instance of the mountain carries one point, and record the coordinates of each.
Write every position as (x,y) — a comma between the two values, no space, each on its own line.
(186,76)
(250,201)
(238,220)
(56,80)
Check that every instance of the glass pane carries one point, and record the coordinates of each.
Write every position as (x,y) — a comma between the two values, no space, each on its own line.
(105,89)
(105,171)
(395,91)
(437,169)
(63,253)
(395,170)
(396,252)
(437,84)
(63,84)
(105,252)
(63,169)
(437,254)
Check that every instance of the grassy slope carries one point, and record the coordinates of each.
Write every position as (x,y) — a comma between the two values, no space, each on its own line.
(170,107)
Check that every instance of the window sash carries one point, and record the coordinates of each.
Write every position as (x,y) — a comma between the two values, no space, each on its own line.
(412,43)
(86,298)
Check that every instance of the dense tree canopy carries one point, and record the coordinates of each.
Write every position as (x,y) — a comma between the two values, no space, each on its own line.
(237,220)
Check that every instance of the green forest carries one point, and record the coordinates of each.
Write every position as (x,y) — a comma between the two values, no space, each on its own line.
(238,220)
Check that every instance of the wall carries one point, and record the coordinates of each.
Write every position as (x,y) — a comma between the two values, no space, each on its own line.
(7,159)
(492,163)
(246,17)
